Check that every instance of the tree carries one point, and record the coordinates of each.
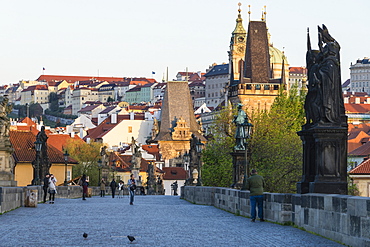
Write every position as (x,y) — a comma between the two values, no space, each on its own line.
(276,149)
(54,103)
(87,156)
(217,161)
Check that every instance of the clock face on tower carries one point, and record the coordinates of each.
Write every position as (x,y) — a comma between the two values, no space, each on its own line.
(240,49)
(240,38)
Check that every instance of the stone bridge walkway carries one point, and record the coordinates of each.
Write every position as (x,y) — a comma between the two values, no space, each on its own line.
(153,220)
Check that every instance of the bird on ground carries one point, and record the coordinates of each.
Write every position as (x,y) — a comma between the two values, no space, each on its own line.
(84,235)
(131,238)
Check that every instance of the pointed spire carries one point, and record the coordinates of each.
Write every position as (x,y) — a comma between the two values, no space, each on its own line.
(239,29)
(308,40)
(249,13)
(265,12)
(283,81)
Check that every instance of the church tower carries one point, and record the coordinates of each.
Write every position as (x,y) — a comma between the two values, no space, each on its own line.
(237,47)
(257,84)
(178,123)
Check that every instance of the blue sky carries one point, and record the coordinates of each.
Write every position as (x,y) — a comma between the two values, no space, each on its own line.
(133,38)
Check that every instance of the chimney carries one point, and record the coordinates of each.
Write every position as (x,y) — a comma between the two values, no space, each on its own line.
(345,100)
(72,134)
(357,100)
(132,116)
(113,117)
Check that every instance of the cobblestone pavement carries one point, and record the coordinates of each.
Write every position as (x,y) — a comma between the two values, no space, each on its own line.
(153,220)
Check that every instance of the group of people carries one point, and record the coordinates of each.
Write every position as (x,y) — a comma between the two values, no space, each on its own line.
(49,187)
(131,185)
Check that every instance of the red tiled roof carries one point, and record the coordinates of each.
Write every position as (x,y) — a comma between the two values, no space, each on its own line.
(153,150)
(174,173)
(363,150)
(24,151)
(363,168)
(297,70)
(76,78)
(35,87)
(59,141)
(357,108)
(88,108)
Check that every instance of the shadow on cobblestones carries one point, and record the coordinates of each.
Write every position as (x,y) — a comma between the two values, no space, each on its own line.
(153,220)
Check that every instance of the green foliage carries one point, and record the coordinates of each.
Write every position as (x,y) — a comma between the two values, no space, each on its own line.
(352,188)
(35,110)
(87,155)
(54,103)
(217,161)
(59,114)
(276,149)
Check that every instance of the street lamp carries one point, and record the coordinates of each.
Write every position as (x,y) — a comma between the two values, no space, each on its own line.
(38,146)
(66,155)
(247,130)
(199,146)
(99,168)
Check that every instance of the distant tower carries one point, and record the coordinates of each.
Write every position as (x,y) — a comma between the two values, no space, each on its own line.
(262,72)
(177,122)
(237,47)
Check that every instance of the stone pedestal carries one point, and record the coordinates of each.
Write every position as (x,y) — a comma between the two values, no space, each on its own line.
(239,161)
(324,160)
(6,167)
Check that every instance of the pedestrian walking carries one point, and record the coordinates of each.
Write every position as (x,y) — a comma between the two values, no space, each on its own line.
(113,186)
(102,188)
(131,187)
(255,184)
(121,187)
(174,188)
(52,188)
(45,186)
(85,184)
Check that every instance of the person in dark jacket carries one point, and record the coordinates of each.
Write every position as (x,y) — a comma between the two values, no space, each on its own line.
(113,186)
(255,184)
(84,184)
(46,186)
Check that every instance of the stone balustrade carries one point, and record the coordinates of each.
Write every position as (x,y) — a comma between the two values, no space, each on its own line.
(339,217)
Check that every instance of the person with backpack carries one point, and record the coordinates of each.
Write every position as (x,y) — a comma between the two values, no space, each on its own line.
(131,187)
(113,186)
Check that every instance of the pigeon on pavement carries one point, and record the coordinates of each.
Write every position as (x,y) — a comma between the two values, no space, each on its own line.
(131,238)
(84,235)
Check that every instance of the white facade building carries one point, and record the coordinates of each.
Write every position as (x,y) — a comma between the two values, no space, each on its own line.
(360,76)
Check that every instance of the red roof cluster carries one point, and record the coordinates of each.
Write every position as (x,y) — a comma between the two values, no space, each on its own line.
(24,148)
(362,169)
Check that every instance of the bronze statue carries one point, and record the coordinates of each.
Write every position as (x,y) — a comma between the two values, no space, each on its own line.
(240,134)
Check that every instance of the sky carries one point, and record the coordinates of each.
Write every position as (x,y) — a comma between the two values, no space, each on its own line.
(125,38)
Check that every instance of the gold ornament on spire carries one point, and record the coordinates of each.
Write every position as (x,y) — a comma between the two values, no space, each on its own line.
(265,12)
(249,12)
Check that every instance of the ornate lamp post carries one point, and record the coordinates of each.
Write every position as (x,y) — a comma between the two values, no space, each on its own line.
(99,168)
(66,155)
(247,130)
(199,147)
(186,158)
(38,146)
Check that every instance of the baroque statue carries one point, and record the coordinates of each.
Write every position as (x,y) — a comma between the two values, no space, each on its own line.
(324,102)
(240,135)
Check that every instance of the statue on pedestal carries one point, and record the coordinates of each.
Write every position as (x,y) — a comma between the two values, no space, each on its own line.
(6,150)
(324,135)
(240,134)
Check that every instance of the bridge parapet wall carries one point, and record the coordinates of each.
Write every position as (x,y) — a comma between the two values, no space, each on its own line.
(339,217)
(14,197)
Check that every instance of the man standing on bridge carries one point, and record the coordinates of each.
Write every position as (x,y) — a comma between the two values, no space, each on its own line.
(255,184)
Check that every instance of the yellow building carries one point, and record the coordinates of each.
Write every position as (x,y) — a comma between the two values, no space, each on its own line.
(25,155)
